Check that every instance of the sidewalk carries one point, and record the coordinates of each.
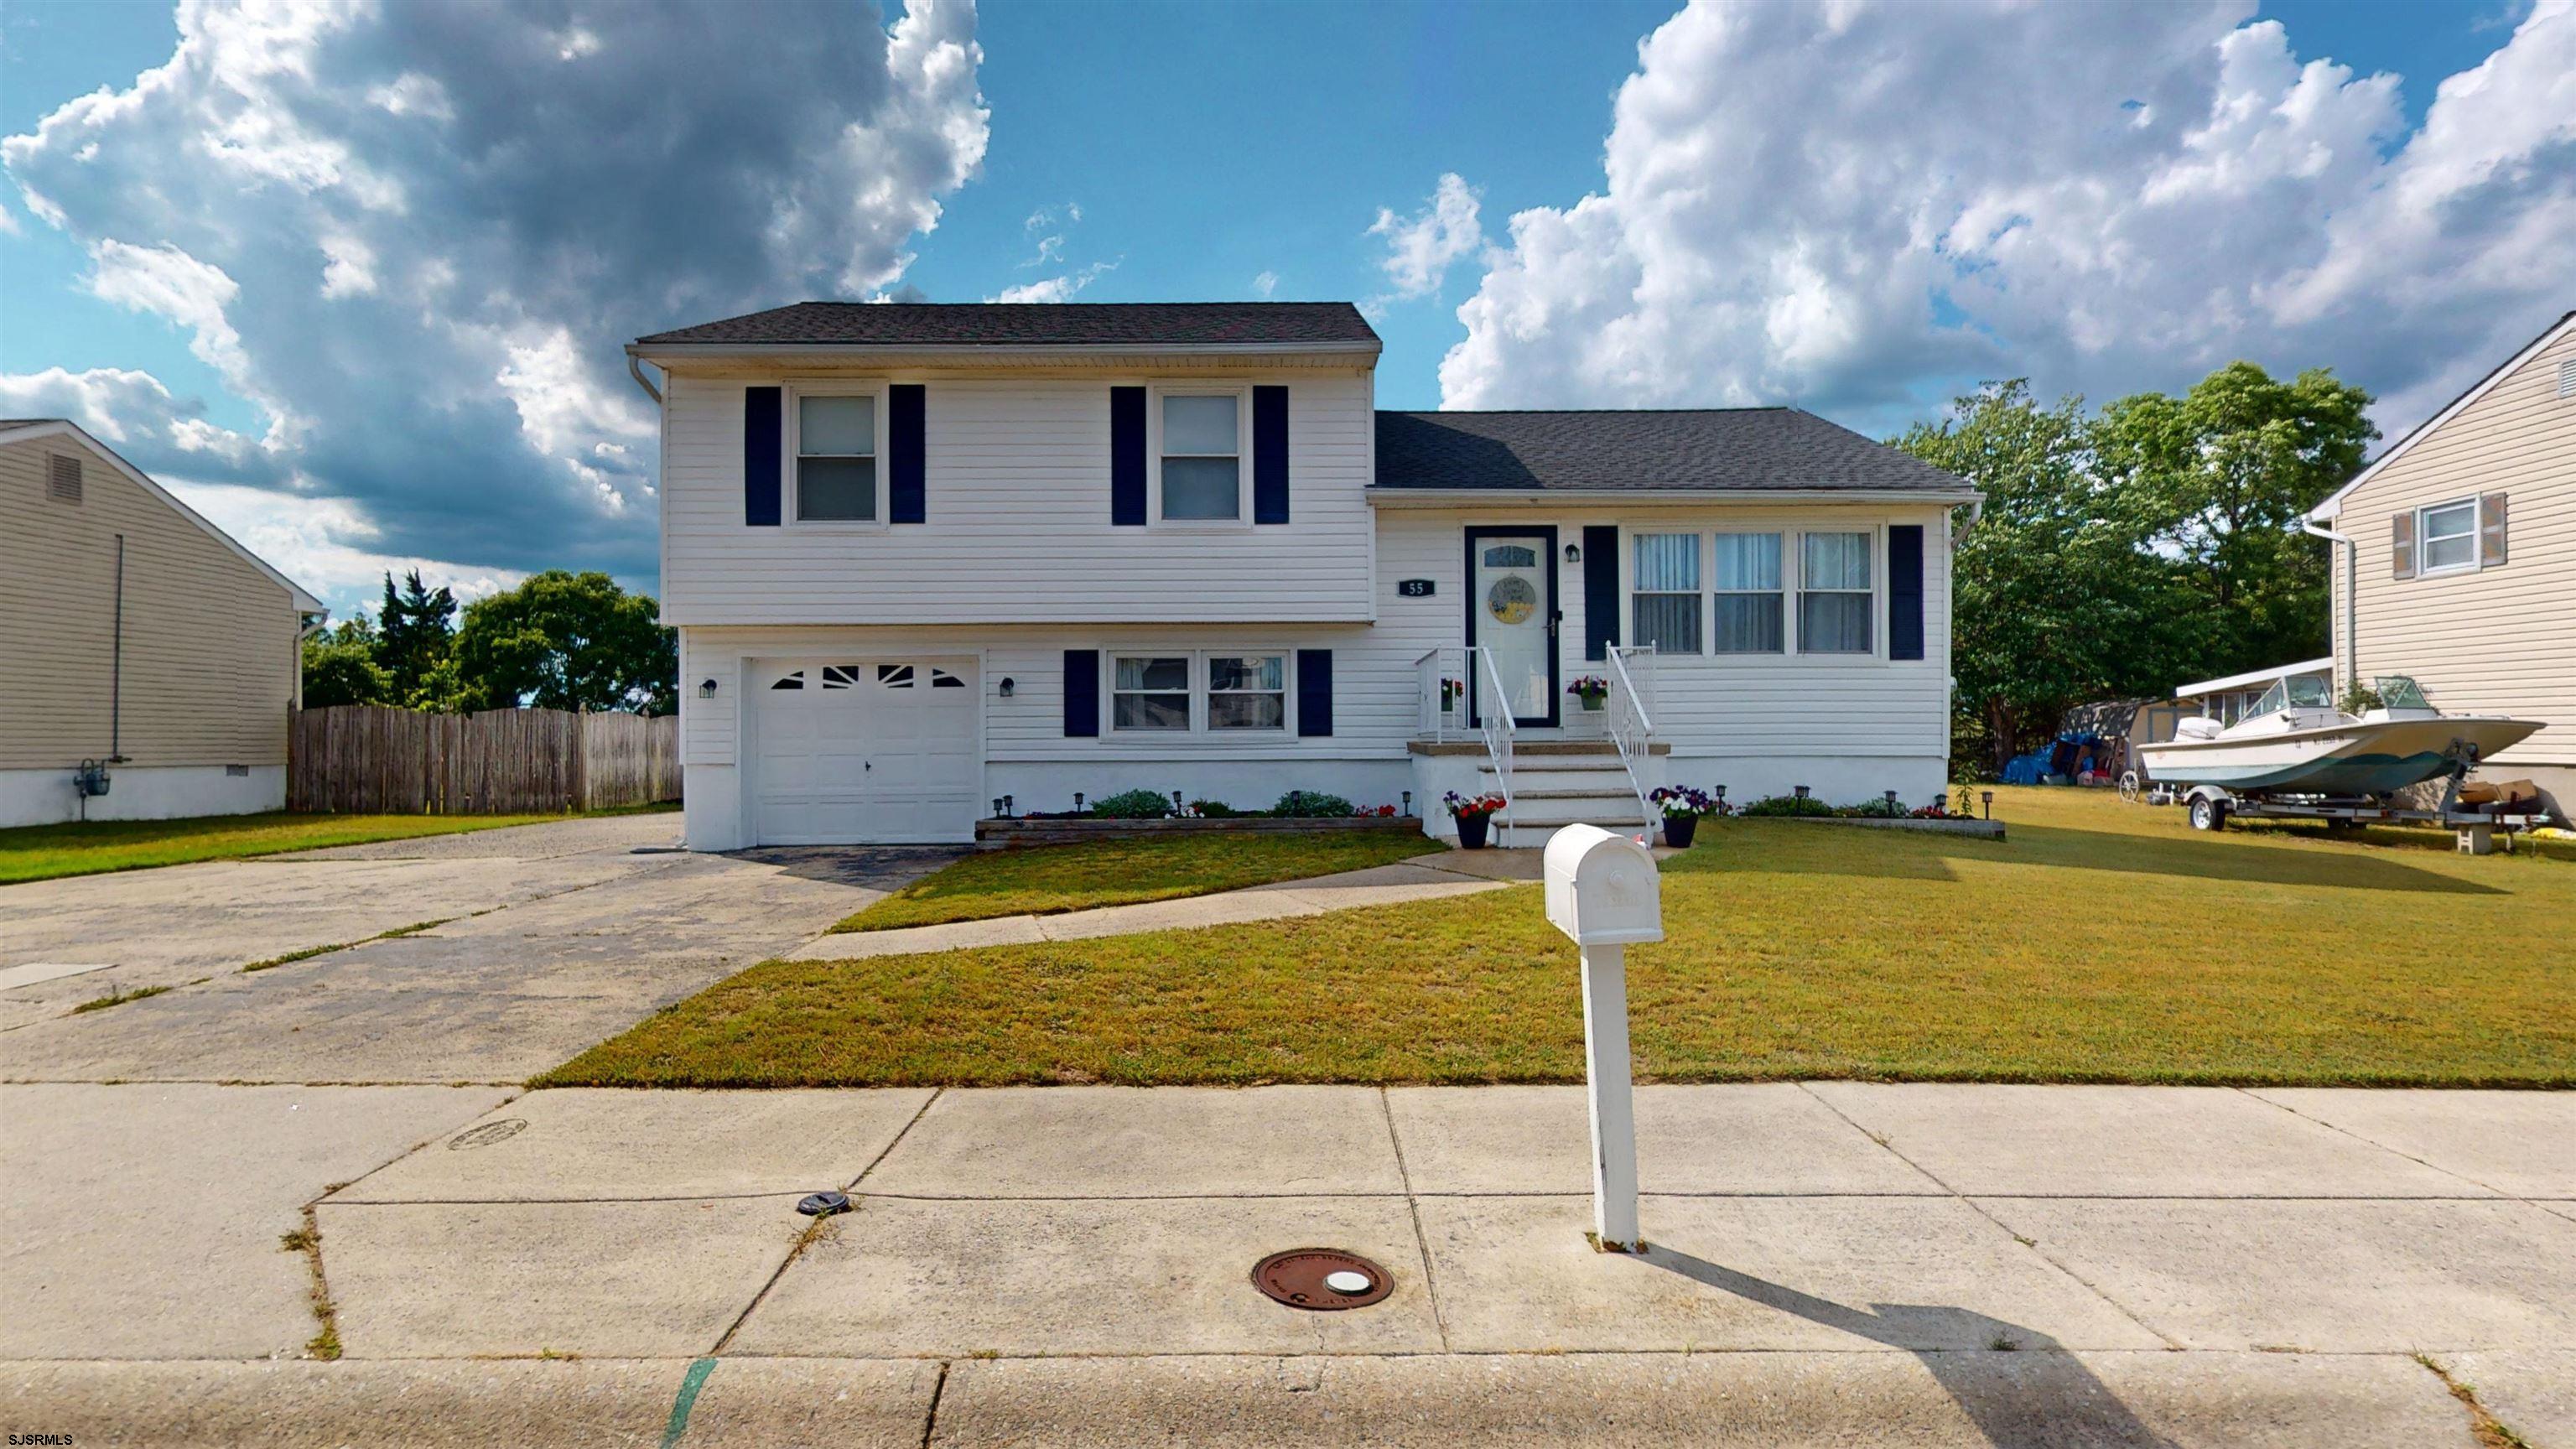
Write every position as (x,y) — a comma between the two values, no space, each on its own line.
(1831,1263)
(1456,873)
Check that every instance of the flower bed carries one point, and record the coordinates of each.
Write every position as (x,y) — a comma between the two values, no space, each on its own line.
(1060,829)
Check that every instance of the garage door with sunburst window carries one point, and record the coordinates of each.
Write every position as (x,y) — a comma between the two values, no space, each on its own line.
(866,752)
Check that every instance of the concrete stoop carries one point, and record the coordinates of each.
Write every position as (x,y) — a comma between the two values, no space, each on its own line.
(1970,1400)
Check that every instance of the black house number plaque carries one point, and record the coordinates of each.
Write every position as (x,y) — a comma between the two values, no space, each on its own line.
(1414,588)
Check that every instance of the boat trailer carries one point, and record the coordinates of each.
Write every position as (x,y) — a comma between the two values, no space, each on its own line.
(2212,806)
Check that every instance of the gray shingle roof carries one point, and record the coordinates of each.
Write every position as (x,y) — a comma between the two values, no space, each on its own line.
(1037,324)
(1722,449)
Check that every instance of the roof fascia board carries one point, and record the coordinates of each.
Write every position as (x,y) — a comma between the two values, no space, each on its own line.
(304,601)
(655,352)
(2332,507)
(1387,495)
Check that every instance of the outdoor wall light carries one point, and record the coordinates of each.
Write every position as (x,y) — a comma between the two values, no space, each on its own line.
(706,689)
(1008,684)
(1574,553)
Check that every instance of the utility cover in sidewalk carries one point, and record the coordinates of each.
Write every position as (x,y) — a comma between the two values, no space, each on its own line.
(1321,1278)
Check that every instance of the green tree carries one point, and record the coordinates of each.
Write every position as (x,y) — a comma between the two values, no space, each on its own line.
(2053,600)
(340,666)
(2216,481)
(415,632)
(568,641)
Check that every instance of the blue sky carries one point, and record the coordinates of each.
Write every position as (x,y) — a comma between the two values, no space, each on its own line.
(1761,234)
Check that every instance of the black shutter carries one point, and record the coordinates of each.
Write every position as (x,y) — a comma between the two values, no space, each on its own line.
(762,437)
(1270,455)
(1082,693)
(1314,691)
(1127,456)
(907,498)
(1905,591)
(1600,590)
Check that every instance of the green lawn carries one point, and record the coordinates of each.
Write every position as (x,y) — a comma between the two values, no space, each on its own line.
(43,852)
(2102,943)
(1045,880)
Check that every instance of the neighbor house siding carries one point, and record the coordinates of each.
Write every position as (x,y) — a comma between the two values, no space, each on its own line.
(1018,523)
(2496,640)
(210,640)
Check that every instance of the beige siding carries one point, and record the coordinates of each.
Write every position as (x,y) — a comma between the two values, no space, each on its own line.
(2496,640)
(210,641)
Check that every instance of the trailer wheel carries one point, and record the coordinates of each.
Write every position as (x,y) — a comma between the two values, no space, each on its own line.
(2207,814)
(2128,787)
(2338,825)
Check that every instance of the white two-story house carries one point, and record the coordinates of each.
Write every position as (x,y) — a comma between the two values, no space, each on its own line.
(926,558)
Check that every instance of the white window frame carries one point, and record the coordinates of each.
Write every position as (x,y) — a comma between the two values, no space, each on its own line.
(1201,689)
(791,511)
(1793,626)
(1242,395)
(1788,625)
(2424,568)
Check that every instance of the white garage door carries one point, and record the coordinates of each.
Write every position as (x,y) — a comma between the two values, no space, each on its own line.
(864,752)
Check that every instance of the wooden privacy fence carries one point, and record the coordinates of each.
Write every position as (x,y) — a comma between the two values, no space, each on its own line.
(363,758)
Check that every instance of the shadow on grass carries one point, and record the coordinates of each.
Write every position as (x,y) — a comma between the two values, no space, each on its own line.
(2020,1387)
(1928,858)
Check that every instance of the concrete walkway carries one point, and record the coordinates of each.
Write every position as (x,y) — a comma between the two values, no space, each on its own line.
(1831,1263)
(1451,873)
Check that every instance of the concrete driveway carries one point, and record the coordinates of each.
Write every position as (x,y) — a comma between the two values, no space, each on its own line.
(532,943)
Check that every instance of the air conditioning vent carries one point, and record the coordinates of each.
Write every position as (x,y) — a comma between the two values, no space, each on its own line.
(63,479)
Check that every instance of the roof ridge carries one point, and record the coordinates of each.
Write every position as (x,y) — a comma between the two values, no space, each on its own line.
(1578,412)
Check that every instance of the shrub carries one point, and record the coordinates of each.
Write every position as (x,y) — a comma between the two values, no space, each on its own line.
(1217,810)
(1133,805)
(1775,805)
(1314,804)
(1873,809)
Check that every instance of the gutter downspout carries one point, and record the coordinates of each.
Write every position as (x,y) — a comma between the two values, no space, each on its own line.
(2351,603)
(1976,510)
(635,369)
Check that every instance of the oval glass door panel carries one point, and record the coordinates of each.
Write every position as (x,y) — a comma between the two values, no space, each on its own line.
(1511,620)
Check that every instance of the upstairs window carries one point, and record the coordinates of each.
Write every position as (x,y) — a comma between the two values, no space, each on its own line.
(1202,457)
(1664,592)
(836,458)
(2449,534)
(1748,602)
(1835,599)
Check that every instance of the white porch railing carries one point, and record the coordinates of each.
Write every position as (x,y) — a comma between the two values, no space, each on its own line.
(1494,723)
(1632,717)
(1441,678)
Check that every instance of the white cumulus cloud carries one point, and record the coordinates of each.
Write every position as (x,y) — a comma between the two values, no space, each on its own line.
(1422,247)
(1858,205)
(415,236)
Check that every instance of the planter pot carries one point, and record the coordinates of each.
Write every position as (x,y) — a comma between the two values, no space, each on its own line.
(1592,703)
(1471,831)
(1679,829)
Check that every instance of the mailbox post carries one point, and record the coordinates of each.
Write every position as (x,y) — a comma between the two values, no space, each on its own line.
(1603,891)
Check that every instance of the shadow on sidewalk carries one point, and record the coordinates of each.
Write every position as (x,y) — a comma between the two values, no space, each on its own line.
(2020,1387)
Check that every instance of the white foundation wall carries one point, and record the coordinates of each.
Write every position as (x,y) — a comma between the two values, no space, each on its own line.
(166,792)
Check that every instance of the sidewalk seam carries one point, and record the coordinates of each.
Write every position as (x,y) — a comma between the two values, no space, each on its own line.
(2381,1146)
(930,1418)
(1413,1209)
(1979,1209)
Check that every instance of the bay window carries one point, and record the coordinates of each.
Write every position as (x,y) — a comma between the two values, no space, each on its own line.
(1664,591)
(1747,602)
(1835,595)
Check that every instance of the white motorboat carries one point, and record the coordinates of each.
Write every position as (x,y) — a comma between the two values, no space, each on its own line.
(2295,742)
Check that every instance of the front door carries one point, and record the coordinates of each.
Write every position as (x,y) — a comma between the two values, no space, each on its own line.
(1511,610)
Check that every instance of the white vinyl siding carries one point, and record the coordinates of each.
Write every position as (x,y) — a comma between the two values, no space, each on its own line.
(1018,531)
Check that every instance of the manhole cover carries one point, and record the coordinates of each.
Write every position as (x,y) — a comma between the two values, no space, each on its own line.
(1322,1279)
(488,1133)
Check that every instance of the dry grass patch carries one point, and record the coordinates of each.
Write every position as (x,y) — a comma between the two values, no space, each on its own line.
(1051,879)
(2101,943)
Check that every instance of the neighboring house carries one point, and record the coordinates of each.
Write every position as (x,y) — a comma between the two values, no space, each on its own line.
(925,557)
(2455,559)
(136,636)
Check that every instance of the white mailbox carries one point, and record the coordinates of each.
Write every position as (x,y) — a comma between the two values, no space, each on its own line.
(1602,888)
